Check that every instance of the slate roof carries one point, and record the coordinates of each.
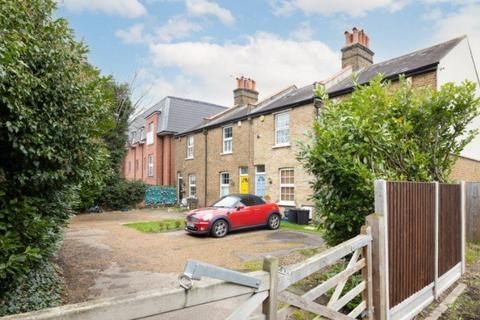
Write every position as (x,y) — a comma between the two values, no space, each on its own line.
(406,64)
(401,65)
(175,115)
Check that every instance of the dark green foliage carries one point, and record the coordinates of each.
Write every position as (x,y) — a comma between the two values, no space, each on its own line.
(41,288)
(53,114)
(121,194)
(382,132)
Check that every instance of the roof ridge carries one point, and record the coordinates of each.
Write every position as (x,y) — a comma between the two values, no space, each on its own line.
(416,52)
(196,101)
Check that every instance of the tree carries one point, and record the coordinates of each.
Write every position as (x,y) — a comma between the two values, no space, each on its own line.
(53,115)
(382,131)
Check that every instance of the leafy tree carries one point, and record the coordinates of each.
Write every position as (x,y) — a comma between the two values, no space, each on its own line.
(106,173)
(382,131)
(52,120)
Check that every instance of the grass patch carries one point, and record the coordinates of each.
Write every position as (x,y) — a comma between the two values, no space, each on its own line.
(157,226)
(308,252)
(308,228)
(252,265)
(467,306)
(473,253)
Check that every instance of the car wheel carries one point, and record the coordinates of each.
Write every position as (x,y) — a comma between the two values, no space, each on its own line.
(219,228)
(274,221)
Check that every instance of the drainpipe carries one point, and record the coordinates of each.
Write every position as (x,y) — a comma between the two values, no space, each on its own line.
(205,134)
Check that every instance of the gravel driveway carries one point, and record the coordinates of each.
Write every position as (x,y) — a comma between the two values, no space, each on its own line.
(102,258)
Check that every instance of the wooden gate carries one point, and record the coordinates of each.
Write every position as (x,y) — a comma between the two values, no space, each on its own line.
(423,247)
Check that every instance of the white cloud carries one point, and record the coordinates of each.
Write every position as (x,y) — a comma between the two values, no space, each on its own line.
(463,21)
(177,27)
(353,8)
(304,32)
(125,8)
(207,71)
(205,7)
(134,34)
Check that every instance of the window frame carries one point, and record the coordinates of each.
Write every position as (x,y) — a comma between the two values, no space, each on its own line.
(286,185)
(190,147)
(227,185)
(278,129)
(225,140)
(190,185)
(150,165)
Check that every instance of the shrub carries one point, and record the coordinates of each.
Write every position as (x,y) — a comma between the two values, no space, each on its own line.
(121,193)
(39,288)
(381,132)
(52,113)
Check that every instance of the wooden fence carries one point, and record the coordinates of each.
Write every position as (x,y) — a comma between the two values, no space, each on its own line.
(258,304)
(418,248)
(473,211)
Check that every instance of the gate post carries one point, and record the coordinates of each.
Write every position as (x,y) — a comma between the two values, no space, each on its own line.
(270,305)
(436,230)
(377,225)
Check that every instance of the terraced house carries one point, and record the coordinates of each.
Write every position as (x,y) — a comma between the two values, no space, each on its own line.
(151,156)
(252,146)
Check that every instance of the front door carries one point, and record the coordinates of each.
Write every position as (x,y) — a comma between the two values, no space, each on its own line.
(260,181)
(180,187)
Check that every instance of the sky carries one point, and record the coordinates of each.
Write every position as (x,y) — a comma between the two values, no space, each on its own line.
(196,48)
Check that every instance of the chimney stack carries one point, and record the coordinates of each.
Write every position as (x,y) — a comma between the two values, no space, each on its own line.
(245,92)
(356,52)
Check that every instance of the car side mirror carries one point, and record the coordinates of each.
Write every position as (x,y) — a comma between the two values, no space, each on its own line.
(240,207)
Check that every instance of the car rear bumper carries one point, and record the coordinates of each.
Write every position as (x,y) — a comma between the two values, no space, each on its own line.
(198,228)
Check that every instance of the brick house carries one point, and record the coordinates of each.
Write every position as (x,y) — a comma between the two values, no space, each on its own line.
(252,146)
(151,149)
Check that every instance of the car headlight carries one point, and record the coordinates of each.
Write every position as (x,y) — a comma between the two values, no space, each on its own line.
(207,217)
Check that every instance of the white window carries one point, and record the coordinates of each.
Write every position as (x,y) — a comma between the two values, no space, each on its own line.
(227,139)
(287,186)
(192,186)
(224,183)
(150,165)
(150,133)
(190,147)
(282,128)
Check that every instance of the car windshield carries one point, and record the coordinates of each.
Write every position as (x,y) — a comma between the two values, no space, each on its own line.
(227,202)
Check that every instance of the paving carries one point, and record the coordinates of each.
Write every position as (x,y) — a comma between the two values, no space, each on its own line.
(101,257)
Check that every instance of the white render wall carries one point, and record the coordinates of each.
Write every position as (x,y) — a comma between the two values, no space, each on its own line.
(456,67)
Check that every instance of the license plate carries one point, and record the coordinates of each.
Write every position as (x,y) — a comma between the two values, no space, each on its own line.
(190,224)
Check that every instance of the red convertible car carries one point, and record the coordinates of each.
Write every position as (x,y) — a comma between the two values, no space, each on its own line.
(233,212)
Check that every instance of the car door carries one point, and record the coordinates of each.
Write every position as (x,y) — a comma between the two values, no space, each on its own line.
(243,215)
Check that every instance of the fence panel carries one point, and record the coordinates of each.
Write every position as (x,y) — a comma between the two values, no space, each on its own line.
(411,238)
(160,195)
(473,211)
(450,230)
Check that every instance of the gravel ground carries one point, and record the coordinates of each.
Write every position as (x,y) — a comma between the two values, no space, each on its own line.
(102,258)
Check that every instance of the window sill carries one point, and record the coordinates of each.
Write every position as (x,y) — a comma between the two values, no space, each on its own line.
(191,158)
(285,145)
(225,153)
(286,203)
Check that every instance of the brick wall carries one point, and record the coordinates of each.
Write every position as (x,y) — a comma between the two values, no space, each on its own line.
(274,159)
(466,170)
(217,161)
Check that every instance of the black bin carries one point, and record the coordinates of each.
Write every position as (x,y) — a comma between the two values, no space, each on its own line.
(302,216)
(292,215)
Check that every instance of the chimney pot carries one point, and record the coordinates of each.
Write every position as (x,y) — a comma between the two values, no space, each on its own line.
(356,52)
(245,92)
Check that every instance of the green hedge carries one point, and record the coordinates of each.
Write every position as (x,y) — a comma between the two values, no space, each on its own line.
(122,194)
